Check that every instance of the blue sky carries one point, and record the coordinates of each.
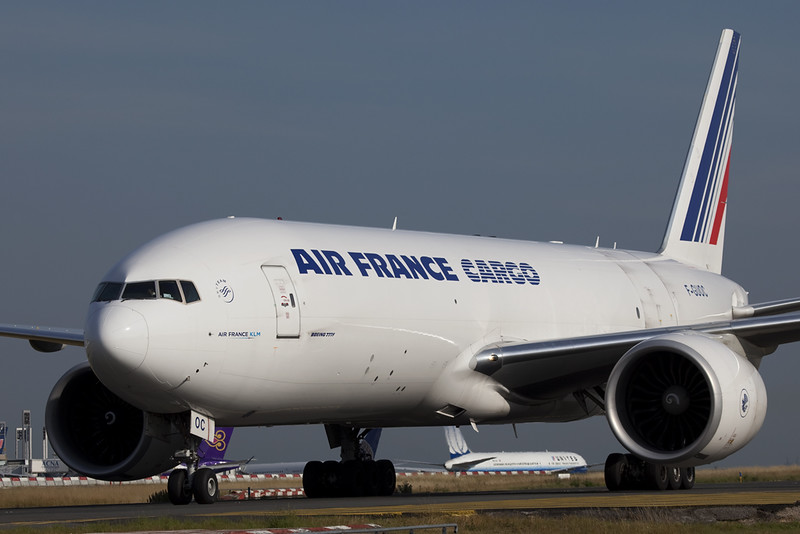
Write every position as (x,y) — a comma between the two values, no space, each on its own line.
(529,120)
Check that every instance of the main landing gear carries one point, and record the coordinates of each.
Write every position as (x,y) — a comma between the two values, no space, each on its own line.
(185,483)
(627,472)
(357,474)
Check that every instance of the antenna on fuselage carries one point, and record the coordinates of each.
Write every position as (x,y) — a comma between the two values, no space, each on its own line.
(394,224)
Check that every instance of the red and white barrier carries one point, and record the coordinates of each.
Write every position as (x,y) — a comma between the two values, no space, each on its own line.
(243,495)
(17,481)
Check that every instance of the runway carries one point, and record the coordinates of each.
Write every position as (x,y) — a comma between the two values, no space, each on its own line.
(557,501)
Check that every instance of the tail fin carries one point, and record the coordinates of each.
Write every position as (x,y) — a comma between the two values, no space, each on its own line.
(696,229)
(215,452)
(456,442)
(369,444)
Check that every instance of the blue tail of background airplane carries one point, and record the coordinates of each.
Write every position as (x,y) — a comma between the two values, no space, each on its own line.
(456,442)
(371,440)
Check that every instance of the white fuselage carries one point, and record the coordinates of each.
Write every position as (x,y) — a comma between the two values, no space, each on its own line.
(300,323)
(539,462)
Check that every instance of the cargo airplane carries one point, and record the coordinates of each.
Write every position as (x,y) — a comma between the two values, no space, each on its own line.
(243,321)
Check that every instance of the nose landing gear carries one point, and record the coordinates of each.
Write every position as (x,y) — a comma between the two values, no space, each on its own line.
(184,483)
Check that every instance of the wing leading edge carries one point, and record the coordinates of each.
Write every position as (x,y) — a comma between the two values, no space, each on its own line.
(548,370)
(44,338)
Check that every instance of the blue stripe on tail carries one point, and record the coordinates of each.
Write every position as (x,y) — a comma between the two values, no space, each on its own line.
(702,205)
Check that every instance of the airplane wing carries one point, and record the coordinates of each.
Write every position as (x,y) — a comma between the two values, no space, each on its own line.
(416,465)
(552,369)
(573,469)
(227,466)
(44,338)
(220,467)
(463,466)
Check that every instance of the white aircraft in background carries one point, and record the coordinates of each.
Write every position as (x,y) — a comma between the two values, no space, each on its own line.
(244,322)
(464,460)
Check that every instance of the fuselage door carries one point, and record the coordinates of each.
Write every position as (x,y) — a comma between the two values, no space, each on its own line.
(287,305)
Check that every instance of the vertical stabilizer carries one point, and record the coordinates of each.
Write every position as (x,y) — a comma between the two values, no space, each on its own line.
(456,442)
(696,229)
(370,442)
(215,452)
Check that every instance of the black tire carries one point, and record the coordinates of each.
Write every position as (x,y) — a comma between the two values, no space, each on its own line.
(616,466)
(312,479)
(332,479)
(387,477)
(687,478)
(205,486)
(675,477)
(656,476)
(178,491)
(354,479)
(371,482)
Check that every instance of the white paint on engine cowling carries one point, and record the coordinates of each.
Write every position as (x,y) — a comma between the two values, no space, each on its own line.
(738,399)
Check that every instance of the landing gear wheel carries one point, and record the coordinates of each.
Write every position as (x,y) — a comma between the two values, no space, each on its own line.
(354,479)
(205,486)
(331,479)
(656,476)
(370,486)
(178,490)
(674,477)
(616,465)
(386,477)
(687,478)
(312,479)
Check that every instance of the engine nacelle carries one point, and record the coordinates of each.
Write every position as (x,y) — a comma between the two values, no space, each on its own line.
(684,399)
(101,436)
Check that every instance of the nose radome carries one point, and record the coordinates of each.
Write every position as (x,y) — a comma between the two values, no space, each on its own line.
(117,338)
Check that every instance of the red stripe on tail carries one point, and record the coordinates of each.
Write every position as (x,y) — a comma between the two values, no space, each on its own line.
(723,201)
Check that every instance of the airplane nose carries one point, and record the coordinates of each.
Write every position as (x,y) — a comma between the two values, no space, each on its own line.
(117,338)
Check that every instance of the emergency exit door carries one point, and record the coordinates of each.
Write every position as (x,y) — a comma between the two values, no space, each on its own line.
(287,305)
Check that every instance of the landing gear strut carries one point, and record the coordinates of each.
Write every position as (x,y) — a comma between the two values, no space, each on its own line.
(627,472)
(357,474)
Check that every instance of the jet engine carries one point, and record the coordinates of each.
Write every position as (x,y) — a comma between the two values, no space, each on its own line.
(684,399)
(101,436)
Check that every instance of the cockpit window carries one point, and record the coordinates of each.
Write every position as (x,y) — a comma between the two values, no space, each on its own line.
(179,291)
(139,291)
(189,291)
(107,291)
(168,289)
